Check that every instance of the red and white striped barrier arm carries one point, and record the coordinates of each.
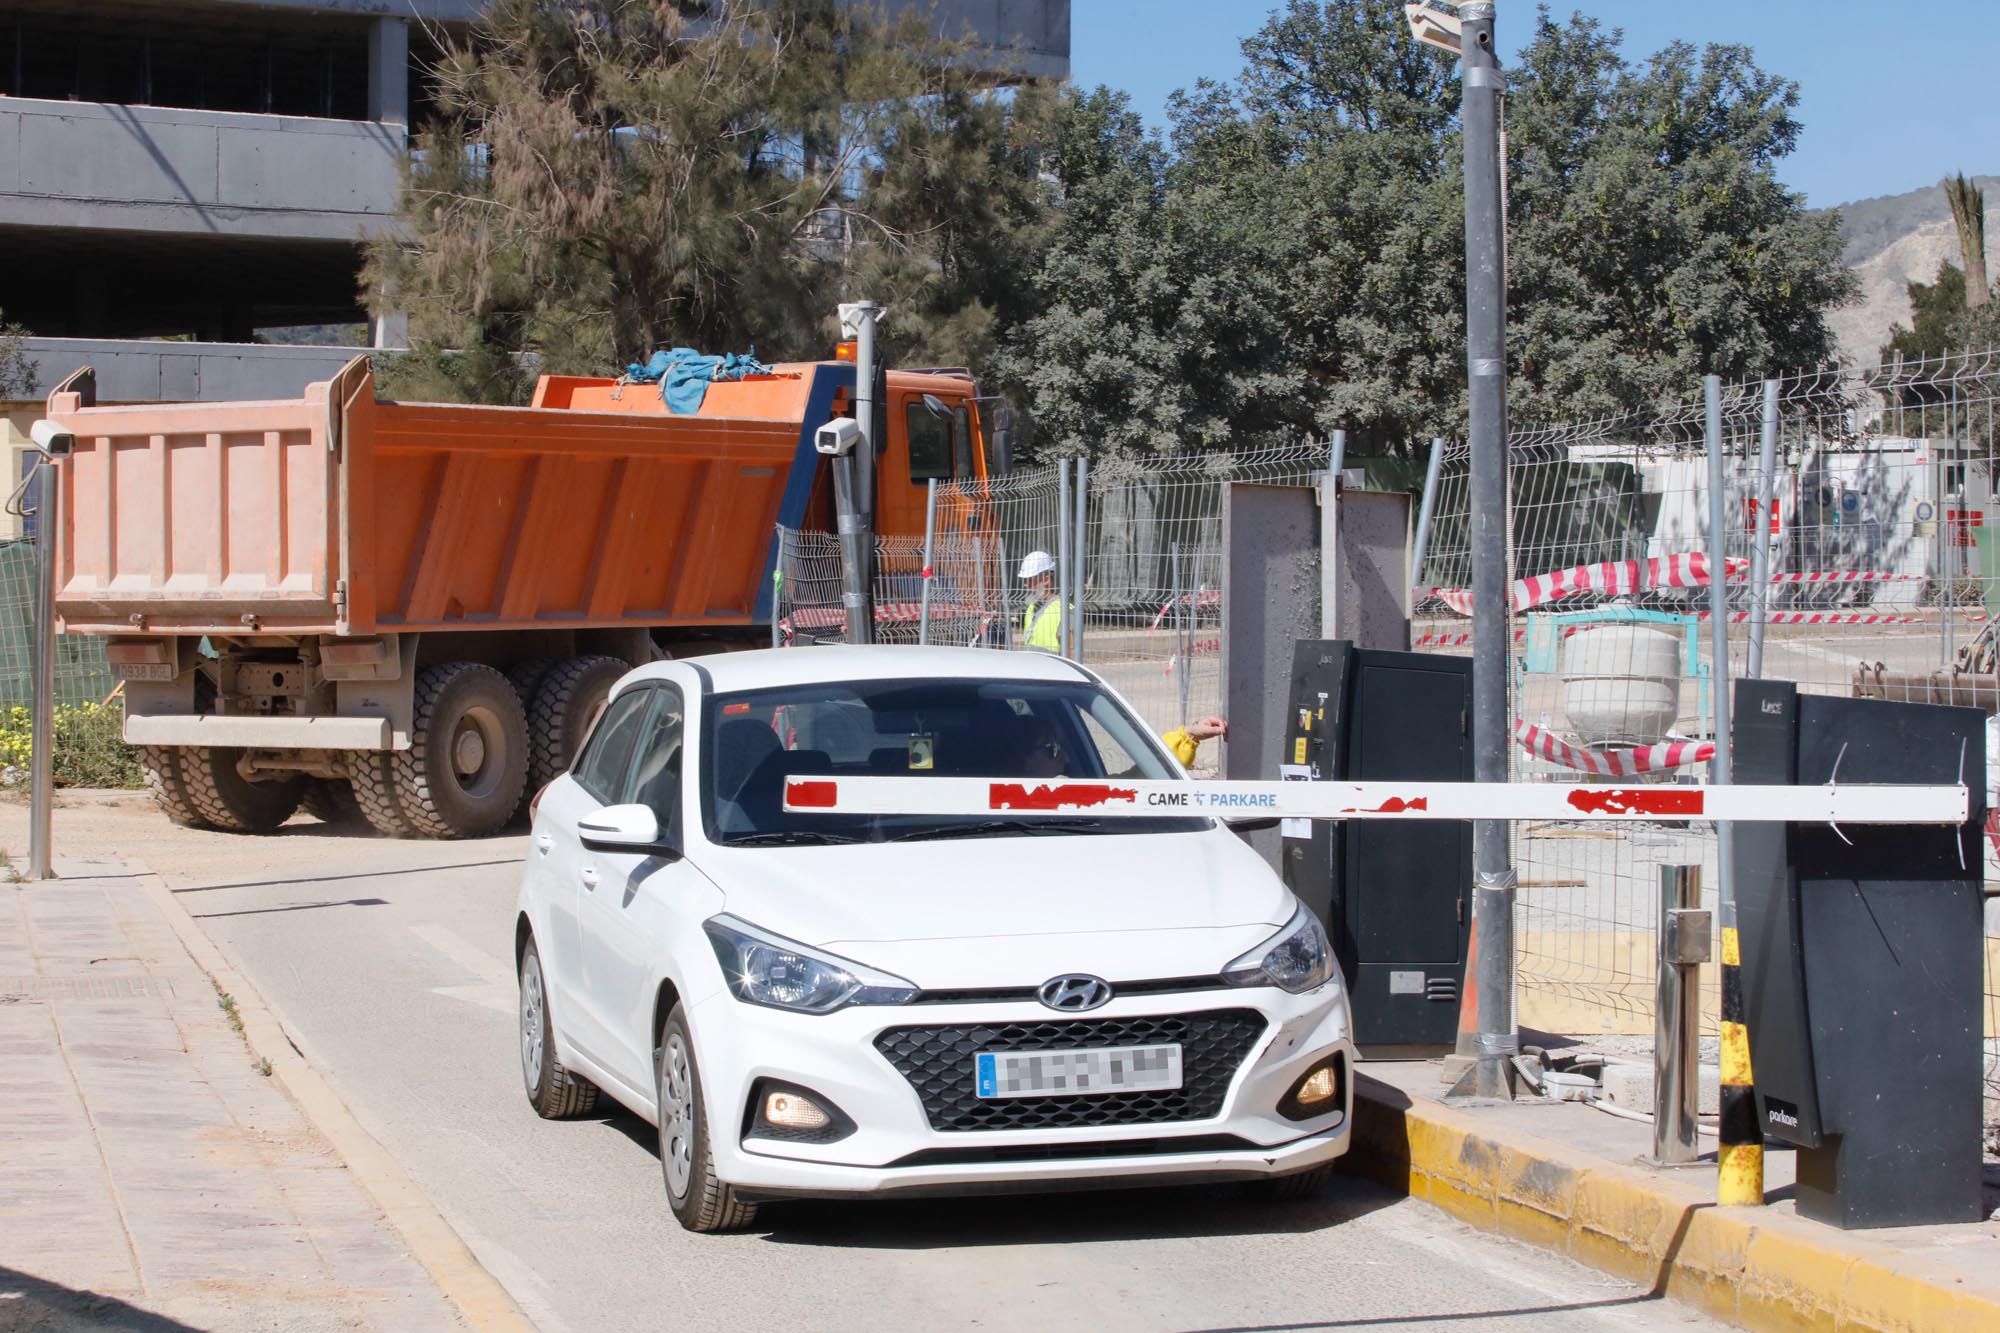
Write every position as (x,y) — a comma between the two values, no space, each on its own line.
(1612,763)
(1373,800)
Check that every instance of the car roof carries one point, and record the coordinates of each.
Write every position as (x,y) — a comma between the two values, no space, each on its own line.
(767,667)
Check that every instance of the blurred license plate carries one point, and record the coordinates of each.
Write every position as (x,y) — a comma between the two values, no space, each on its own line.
(1083,1073)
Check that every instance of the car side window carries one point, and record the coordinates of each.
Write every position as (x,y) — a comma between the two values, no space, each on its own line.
(656,779)
(930,443)
(607,756)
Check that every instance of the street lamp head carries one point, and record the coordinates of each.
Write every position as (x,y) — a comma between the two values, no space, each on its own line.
(1433,27)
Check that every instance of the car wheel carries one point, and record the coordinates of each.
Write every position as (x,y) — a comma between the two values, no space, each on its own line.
(699,1200)
(1304,1185)
(554,1092)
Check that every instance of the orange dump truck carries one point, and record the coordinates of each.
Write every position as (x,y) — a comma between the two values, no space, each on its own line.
(414,609)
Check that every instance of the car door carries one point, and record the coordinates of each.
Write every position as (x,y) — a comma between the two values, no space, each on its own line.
(598,778)
(628,897)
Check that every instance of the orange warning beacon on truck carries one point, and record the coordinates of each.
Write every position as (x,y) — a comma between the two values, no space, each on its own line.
(411,611)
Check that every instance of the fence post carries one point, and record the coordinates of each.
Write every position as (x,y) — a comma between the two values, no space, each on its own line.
(1684,947)
(1760,528)
(1417,551)
(1062,560)
(1740,1155)
(924,597)
(1078,553)
(42,722)
(1337,455)
(1181,635)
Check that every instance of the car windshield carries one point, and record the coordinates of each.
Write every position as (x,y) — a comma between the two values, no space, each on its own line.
(754,740)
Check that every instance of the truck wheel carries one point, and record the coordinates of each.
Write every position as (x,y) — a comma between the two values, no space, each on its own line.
(467,763)
(330,801)
(526,677)
(162,764)
(371,776)
(226,799)
(565,704)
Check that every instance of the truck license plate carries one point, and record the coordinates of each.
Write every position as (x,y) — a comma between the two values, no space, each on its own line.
(1074,1073)
(145,670)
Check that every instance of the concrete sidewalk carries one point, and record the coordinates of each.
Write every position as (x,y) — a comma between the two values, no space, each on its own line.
(152,1173)
(1567,1177)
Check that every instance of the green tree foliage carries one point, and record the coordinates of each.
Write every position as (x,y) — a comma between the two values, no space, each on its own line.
(609,179)
(17,373)
(1294,264)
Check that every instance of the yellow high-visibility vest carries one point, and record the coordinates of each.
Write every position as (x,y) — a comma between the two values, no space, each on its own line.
(1042,626)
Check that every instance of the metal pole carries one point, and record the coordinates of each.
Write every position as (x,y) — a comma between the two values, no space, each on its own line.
(854,599)
(862,315)
(1495,1043)
(1740,1175)
(1079,554)
(1677,1017)
(924,602)
(1760,525)
(1062,559)
(1337,454)
(42,721)
(1180,633)
(1423,541)
(778,589)
(1947,558)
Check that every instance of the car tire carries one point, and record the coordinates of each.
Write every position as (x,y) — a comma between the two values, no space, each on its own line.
(464,772)
(566,702)
(554,1092)
(1301,1185)
(699,1200)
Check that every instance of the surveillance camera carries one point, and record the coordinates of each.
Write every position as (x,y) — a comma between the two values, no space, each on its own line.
(1434,27)
(52,439)
(838,437)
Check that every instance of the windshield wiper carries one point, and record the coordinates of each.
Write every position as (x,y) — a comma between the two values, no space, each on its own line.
(987,827)
(796,837)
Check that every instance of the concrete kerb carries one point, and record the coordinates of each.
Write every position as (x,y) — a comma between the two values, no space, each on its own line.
(478,1295)
(1753,1268)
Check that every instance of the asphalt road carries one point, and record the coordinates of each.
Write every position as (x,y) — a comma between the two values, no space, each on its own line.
(389,964)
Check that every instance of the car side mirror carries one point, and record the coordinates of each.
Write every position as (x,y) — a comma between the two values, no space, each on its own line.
(1252,825)
(624,828)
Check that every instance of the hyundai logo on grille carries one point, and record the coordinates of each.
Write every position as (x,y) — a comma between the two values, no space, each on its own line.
(1075,995)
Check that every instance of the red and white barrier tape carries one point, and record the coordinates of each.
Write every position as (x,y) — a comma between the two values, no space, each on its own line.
(1198,600)
(886,613)
(1448,639)
(1372,800)
(1613,578)
(1612,763)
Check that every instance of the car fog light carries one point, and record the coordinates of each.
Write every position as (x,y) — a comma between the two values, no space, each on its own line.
(1317,1087)
(790,1110)
(1321,1091)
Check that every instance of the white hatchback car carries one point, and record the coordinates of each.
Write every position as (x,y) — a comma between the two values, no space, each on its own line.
(822,1004)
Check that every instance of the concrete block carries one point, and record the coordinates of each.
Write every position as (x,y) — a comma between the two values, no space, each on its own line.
(1631,1086)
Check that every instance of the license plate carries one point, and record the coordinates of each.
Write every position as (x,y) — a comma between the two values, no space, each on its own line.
(1074,1073)
(145,670)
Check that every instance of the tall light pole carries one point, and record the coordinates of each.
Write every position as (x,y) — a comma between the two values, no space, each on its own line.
(1491,1042)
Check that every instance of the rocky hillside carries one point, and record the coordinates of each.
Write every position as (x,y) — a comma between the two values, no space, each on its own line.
(1892,241)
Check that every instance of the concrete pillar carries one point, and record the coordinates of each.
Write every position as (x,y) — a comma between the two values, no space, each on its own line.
(391,330)
(389,72)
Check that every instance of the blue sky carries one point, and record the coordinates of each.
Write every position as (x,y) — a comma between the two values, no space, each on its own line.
(1888,103)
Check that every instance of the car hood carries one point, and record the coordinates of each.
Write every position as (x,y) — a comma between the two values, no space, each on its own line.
(1006,911)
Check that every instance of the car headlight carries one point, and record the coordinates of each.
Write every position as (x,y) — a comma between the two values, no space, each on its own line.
(762,968)
(1297,958)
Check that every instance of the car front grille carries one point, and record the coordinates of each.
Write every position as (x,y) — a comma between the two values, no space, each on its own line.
(938,1062)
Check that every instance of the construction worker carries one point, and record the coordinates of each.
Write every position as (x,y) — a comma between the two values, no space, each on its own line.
(1185,742)
(1042,626)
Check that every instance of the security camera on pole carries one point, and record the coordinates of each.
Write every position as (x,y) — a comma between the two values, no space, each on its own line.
(1487,1041)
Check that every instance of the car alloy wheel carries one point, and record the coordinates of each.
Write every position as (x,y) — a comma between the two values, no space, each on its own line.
(531,1022)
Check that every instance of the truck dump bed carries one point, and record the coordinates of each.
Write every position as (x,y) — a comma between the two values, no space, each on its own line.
(336,514)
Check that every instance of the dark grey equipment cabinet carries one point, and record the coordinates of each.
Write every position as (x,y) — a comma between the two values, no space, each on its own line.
(1395,897)
(1862,960)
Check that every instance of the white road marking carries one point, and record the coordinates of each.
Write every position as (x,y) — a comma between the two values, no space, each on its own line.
(495,989)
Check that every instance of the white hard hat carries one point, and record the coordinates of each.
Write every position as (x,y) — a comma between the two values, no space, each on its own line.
(1037,562)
